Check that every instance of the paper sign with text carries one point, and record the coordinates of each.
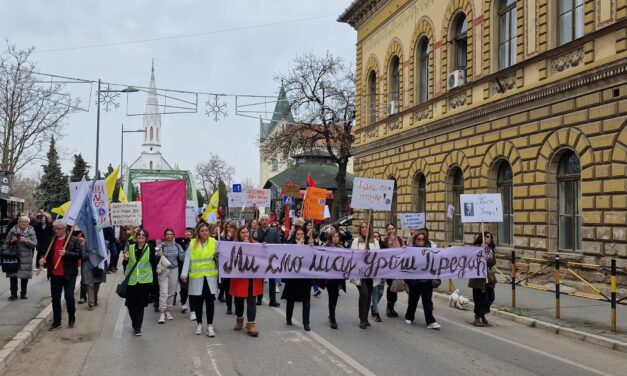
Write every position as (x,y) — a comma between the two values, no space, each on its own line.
(126,214)
(485,207)
(99,198)
(314,203)
(373,194)
(251,197)
(412,221)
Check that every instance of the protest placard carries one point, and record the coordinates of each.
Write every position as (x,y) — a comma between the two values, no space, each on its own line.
(126,214)
(373,194)
(99,198)
(190,217)
(412,221)
(314,203)
(485,207)
(250,197)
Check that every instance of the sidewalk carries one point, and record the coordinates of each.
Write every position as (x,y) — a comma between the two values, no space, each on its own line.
(577,313)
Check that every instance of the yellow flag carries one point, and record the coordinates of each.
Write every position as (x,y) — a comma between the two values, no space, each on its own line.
(110,182)
(210,215)
(122,196)
(61,210)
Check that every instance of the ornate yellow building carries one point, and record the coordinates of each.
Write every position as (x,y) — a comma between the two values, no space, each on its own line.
(523,97)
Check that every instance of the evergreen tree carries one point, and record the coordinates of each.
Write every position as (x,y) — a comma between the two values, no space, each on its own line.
(54,188)
(80,169)
(224,200)
(109,170)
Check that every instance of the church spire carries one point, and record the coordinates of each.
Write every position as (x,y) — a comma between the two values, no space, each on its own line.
(152,117)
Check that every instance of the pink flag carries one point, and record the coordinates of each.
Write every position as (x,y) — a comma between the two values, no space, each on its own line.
(163,206)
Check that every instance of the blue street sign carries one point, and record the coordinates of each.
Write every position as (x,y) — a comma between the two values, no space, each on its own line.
(288,200)
(237,188)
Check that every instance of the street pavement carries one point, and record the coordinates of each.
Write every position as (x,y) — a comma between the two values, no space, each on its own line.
(102,344)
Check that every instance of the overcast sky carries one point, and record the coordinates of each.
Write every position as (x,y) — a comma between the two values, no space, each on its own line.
(238,61)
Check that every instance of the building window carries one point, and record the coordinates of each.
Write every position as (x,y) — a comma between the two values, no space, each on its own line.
(570,20)
(395,79)
(420,191)
(460,43)
(392,214)
(151,134)
(372,98)
(150,165)
(507,33)
(504,187)
(423,70)
(569,198)
(275,165)
(456,188)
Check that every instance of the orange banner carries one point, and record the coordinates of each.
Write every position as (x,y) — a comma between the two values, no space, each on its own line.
(313,206)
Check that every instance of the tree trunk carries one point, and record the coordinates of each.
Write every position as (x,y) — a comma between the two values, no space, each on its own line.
(340,201)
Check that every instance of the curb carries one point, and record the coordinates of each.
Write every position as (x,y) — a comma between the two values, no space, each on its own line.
(555,329)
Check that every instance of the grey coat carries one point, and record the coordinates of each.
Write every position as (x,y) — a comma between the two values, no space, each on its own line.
(24,251)
(87,273)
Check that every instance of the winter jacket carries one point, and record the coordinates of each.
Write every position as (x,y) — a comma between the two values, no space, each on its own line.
(23,250)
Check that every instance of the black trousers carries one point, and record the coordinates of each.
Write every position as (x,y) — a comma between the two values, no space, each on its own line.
(271,291)
(59,285)
(333,289)
(115,256)
(419,290)
(251,306)
(184,290)
(137,316)
(289,310)
(483,299)
(197,303)
(23,286)
(225,291)
(365,295)
(390,295)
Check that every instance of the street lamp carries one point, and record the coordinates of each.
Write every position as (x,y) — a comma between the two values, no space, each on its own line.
(125,90)
(122,142)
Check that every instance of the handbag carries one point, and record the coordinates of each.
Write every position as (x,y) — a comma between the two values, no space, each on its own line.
(399,285)
(10,260)
(435,283)
(492,281)
(123,286)
(163,264)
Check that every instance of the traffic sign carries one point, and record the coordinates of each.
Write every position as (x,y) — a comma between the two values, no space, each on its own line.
(288,200)
(237,188)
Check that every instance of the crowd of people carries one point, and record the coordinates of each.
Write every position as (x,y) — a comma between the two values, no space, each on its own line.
(186,267)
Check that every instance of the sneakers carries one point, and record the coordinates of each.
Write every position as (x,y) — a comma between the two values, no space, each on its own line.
(168,315)
(184,308)
(161,318)
(408,322)
(317,293)
(199,329)
(12,298)
(274,304)
(210,332)
(71,322)
(434,325)
(277,290)
(376,317)
(192,316)
(138,333)
(54,326)
(390,312)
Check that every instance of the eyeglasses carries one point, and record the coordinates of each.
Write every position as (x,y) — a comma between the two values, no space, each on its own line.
(488,236)
(420,239)
(144,235)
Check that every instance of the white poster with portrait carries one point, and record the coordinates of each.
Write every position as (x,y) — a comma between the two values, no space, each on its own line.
(484,207)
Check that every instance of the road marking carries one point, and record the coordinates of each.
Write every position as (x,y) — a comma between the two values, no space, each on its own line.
(119,323)
(214,363)
(197,364)
(528,348)
(329,346)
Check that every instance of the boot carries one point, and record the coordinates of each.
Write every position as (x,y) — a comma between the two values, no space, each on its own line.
(252,329)
(485,321)
(478,322)
(239,324)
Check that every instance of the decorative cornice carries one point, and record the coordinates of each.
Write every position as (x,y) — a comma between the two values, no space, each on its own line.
(568,60)
(359,11)
(504,84)
(457,101)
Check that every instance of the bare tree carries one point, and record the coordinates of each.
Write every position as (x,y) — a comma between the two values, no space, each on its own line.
(209,174)
(321,95)
(30,111)
(248,183)
(24,187)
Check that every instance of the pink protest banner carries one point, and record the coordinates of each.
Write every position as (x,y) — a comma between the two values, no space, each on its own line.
(163,206)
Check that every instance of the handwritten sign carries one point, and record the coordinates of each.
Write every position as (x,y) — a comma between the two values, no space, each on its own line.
(412,221)
(373,194)
(190,217)
(290,189)
(255,260)
(250,197)
(99,198)
(314,203)
(485,207)
(126,214)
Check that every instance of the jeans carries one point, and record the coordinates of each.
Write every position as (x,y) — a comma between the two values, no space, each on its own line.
(251,306)
(60,285)
(419,290)
(365,296)
(206,298)
(167,288)
(23,286)
(333,289)
(377,294)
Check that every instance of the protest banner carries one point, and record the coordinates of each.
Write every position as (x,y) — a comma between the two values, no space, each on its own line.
(412,221)
(126,214)
(190,217)
(314,203)
(163,206)
(98,197)
(485,207)
(374,194)
(250,197)
(255,260)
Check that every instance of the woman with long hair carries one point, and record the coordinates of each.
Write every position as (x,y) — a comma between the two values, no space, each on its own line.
(139,259)
(482,288)
(298,290)
(365,242)
(421,288)
(246,290)
(168,278)
(334,285)
(200,270)
(229,234)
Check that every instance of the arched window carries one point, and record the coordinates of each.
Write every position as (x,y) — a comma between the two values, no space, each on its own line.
(569,20)
(151,134)
(455,189)
(150,164)
(420,193)
(372,98)
(394,80)
(460,43)
(569,198)
(507,33)
(422,70)
(275,165)
(504,187)
(157,134)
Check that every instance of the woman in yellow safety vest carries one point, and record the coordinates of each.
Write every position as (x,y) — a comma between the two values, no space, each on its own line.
(200,271)
(140,280)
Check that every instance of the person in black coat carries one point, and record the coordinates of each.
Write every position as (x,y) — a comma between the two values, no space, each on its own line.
(269,235)
(44,232)
(333,286)
(298,290)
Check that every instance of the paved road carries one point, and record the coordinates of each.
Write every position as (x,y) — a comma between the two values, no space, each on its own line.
(102,344)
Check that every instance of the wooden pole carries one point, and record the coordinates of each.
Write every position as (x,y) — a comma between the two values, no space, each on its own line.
(368,233)
(46,254)
(482,233)
(65,245)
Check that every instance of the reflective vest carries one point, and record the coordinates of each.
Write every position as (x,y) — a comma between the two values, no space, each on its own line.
(202,260)
(143,271)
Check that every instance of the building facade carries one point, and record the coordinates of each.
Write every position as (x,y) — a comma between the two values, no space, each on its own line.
(527,98)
